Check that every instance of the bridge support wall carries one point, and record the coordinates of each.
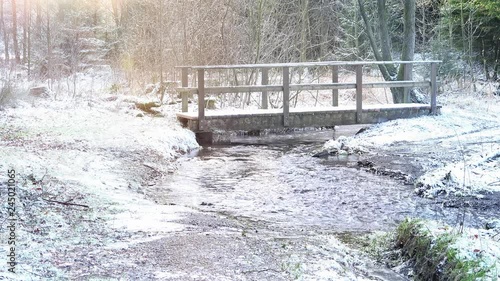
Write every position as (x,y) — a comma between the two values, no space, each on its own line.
(327,118)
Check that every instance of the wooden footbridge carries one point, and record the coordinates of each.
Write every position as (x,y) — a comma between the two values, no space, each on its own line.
(203,120)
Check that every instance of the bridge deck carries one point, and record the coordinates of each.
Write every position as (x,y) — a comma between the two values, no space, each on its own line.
(259,119)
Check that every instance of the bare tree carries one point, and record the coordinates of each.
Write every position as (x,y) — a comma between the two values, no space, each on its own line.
(4,31)
(38,19)
(28,27)
(14,32)
(49,47)
(385,51)
(25,29)
(408,51)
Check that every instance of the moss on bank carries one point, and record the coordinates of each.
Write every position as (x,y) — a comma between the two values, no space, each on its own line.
(435,257)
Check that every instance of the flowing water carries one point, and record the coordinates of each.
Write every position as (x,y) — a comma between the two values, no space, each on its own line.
(273,186)
(275,179)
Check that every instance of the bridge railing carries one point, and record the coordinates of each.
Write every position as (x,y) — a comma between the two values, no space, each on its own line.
(286,87)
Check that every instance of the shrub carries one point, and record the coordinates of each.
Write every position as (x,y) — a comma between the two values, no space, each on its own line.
(6,92)
(434,257)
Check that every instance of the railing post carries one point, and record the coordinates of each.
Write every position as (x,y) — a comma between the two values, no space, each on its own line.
(407,77)
(335,79)
(359,93)
(286,95)
(184,84)
(433,88)
(265,81)
(201,97)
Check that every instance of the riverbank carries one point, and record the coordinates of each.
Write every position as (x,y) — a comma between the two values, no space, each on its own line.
(83,171)
(453,159)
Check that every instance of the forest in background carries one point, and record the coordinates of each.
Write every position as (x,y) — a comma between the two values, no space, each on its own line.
(47,40)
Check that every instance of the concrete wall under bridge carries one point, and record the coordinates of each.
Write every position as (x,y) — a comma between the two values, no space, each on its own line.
(303,118)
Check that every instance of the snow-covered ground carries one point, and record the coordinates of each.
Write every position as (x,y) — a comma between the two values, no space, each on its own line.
(84,169)
(459,126)
(468,126)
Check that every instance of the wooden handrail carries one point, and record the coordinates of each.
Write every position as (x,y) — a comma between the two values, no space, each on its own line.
(286,87)
(305,64)
(305,87)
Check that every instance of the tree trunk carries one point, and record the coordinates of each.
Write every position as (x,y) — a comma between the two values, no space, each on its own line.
(373,43)
(258,31)
(38,19)
(409,31)
(5,34)
(408,46)
(49,51)
(356,33)
(25,30)
(388,71)
(496,67)
(160,34)
(116,14)
(14,32)
(462,27)
(29,44)
(304,27)
(28,39)
(450,29)
(424,27)
(385,39)
(485,62)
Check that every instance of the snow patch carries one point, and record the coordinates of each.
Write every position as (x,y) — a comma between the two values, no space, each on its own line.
(456,127)
(343,146)
(473,244)
(451,122)
(478,173)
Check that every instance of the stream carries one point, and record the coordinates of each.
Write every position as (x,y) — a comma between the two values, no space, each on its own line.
(275,179)
(290,208)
